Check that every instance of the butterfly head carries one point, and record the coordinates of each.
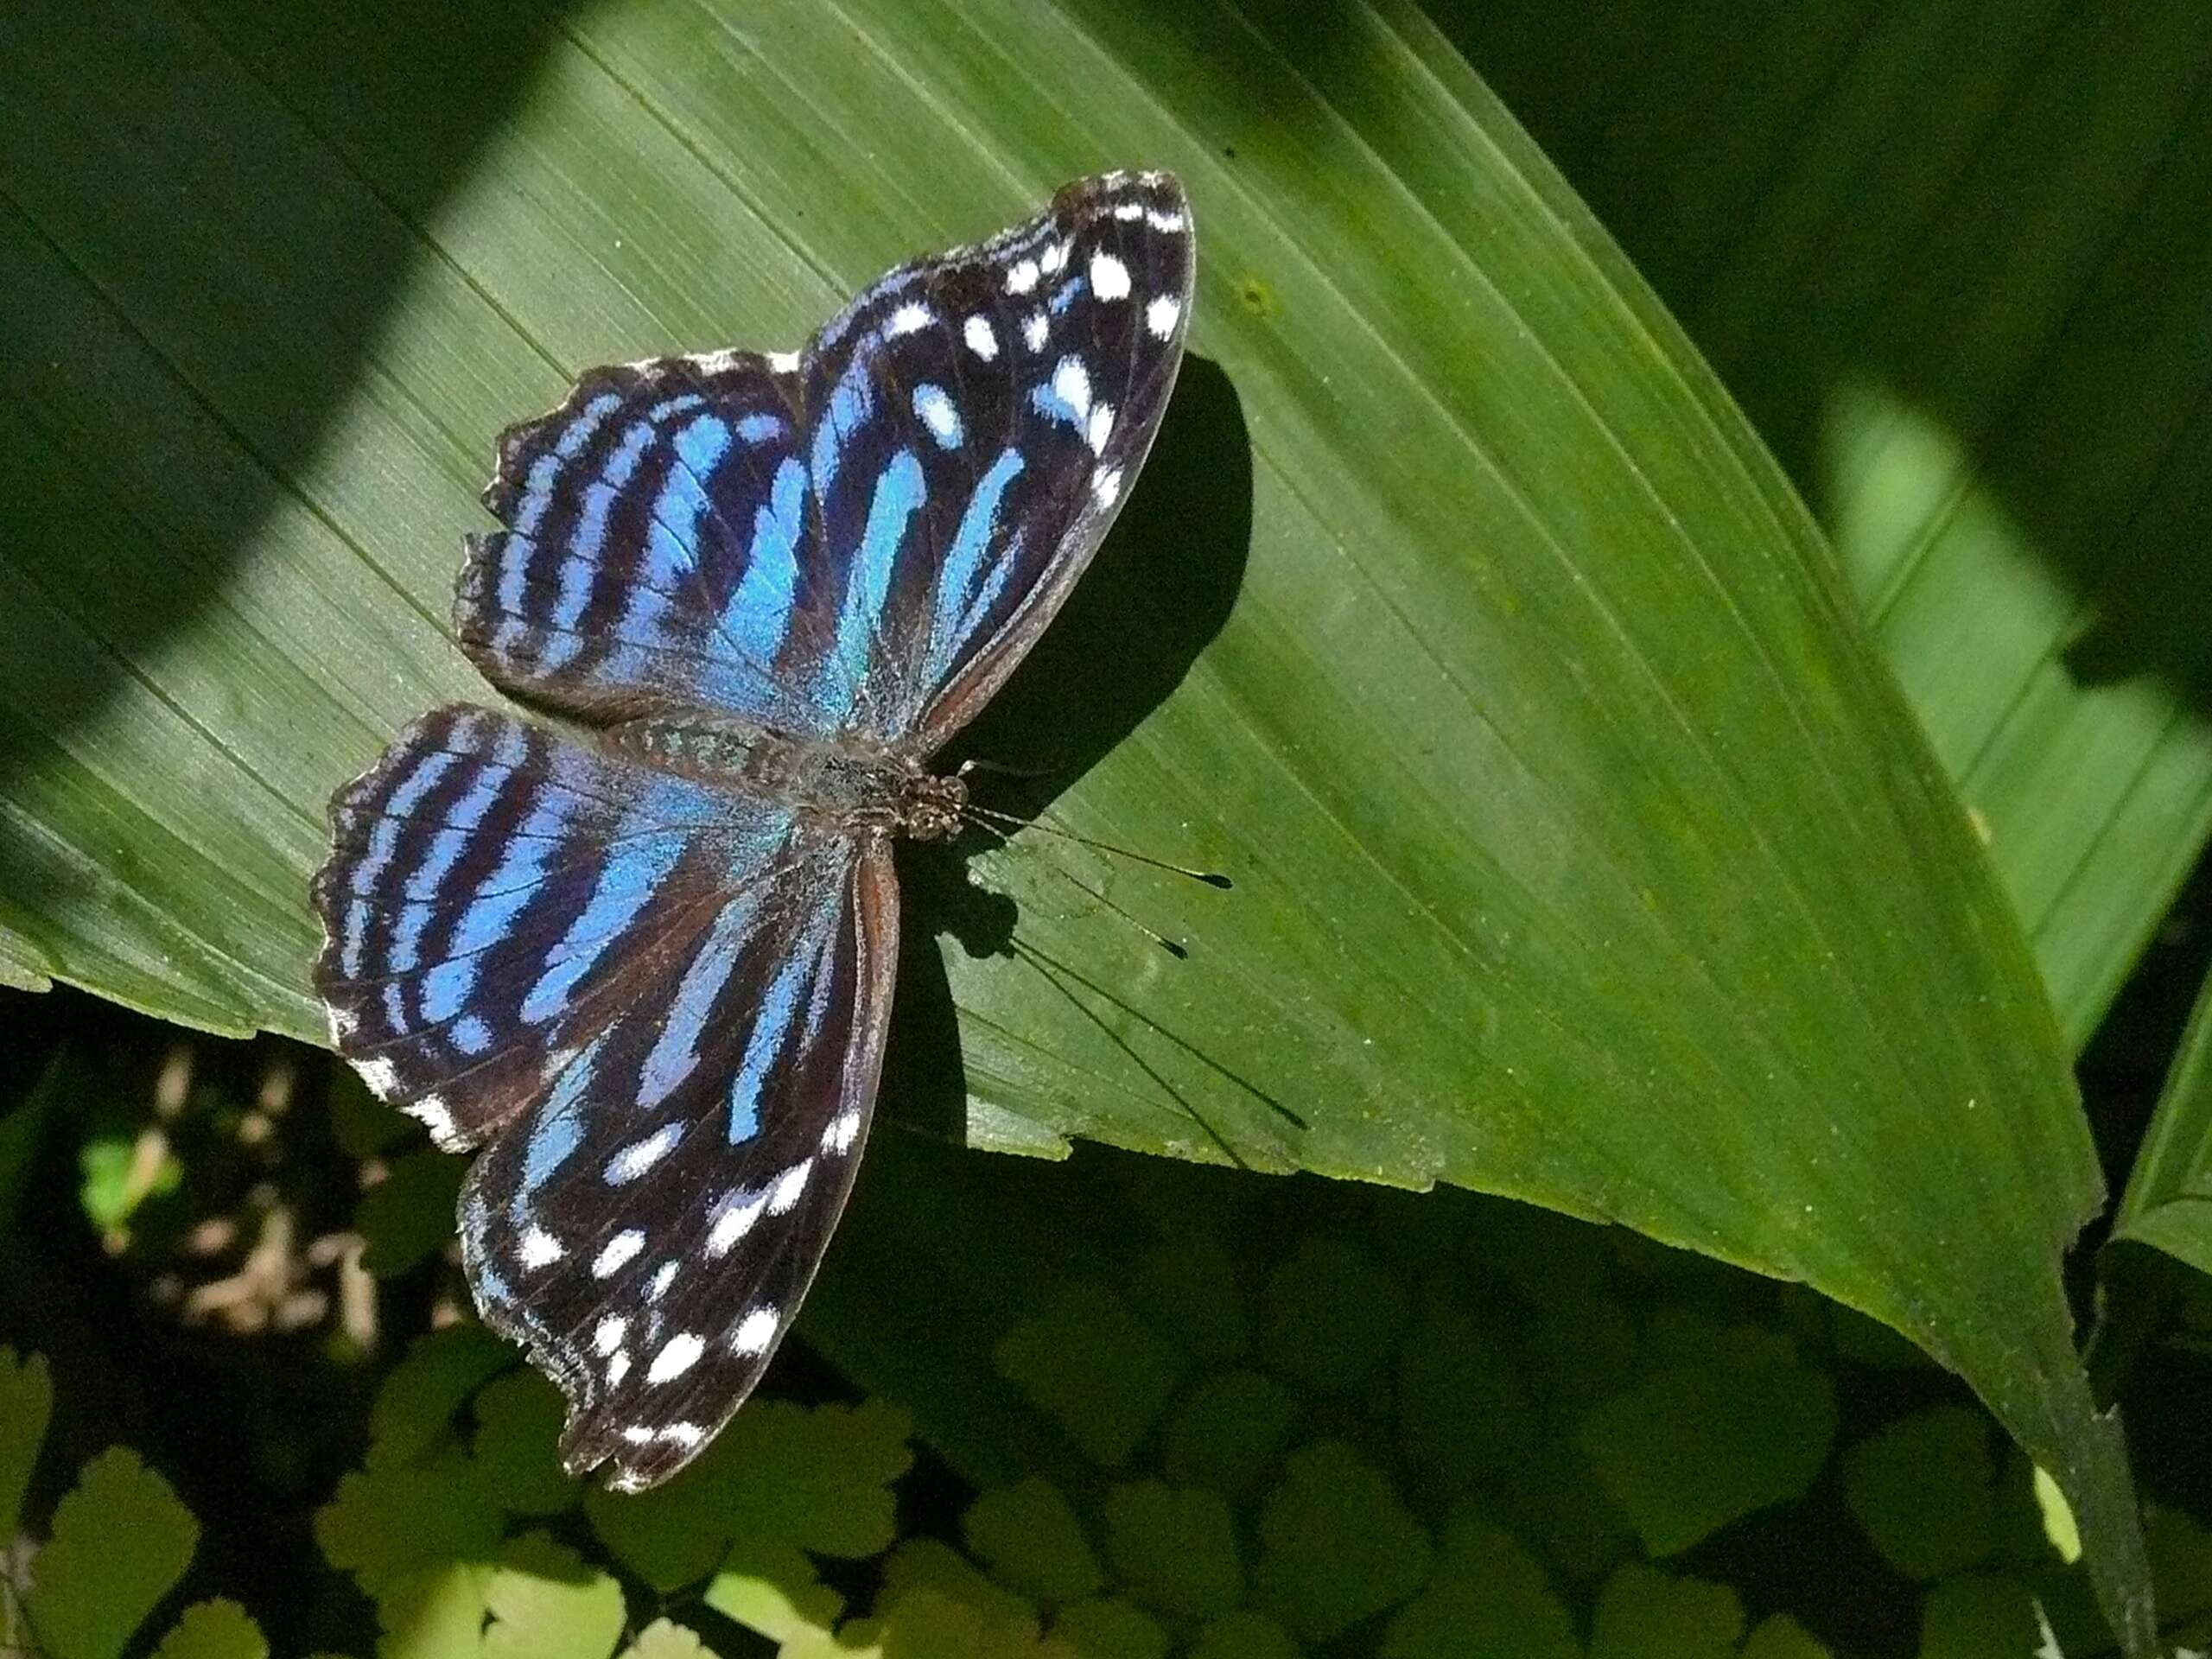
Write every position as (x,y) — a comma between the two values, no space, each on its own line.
(929,806)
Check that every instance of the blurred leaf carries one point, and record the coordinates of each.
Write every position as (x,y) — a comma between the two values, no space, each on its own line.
(416,1403)
(1336,1544)
(1584,850)
(119,1543)
(1643,1614)
(545,1604)
(663,1639)
(2168,1204)
(1031,1541)
(1109,1630)
(1175,1550)
(408,1218)
(1708,1440)
(26,1404)
(1924,1490)
(214,1630)
(1489,1596)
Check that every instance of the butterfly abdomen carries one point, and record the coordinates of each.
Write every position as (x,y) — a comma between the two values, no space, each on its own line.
(845,785)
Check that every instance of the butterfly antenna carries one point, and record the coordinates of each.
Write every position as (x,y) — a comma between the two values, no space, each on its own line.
(1173,948)
(992,820)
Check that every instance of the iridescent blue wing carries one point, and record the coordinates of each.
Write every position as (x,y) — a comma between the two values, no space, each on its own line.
(661,1005)
(865,536)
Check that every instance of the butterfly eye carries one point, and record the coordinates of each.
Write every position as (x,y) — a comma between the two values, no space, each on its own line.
(647,970)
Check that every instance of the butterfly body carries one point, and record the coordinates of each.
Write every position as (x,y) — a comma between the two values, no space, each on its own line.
(644,968)
(838,787)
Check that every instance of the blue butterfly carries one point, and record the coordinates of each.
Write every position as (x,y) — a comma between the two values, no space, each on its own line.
(645,961)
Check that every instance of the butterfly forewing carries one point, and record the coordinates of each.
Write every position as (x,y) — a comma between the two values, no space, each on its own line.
(974,423)
(648,969)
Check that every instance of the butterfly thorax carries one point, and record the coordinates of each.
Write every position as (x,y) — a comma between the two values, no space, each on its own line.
(846,784)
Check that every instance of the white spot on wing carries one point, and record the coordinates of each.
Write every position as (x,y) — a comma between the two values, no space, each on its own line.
(682,1434)
(938,414)
(755,1332)
(538,1248)
(843,1130)
(784,362)
(618,1367)
(434,1114)
(734,1224)
(909,318)
(1054,258)
(1126,211)
(981,341)
(1100,428)
(1170,222)
(1071,386)
(608,1336)
(342,1025)
(1110,277)
(663,1276)
(1021,276)
(381,1075)
(1034,330)
(640,1156)
(1106,484)
(1160,315)
(788,1186)
(677,1355)
(621,1251)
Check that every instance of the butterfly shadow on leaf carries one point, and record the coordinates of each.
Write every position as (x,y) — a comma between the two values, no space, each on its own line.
(1158,591)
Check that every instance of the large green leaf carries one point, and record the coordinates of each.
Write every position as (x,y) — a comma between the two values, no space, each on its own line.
(2168,1204)
(1584,849)
(1956,261)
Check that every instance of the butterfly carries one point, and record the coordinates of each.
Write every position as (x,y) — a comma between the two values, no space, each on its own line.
(645,961)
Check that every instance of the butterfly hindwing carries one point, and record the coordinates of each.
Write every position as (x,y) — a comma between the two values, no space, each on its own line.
(495,892)
(648,1229)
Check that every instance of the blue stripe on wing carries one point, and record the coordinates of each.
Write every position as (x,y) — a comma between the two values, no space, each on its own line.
(651,559)
(1033,371)
(492,888)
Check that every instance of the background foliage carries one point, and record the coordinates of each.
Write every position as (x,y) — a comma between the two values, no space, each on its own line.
(1585,852)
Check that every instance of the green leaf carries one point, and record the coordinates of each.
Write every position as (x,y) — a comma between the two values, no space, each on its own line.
(417,1404)
(2168,1204)
(1704,1441)
(1961,295)
(214,1630)
(398,1528)
(1585,852)
(1337,1544)
(665,1639)
(544,1601)
(26,1404)
(120,1542)
(1175,1550)
(407,1218)
(1489,1597)
(1643,1614)
(1923,1487)
(1032,1542)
